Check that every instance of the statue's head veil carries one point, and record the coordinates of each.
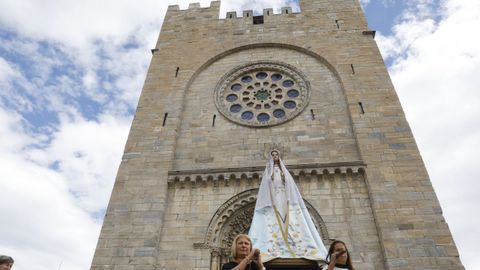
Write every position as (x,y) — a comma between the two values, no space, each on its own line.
(264,196)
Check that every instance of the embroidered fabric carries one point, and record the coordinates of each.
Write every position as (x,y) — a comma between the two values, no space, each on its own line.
(281,225)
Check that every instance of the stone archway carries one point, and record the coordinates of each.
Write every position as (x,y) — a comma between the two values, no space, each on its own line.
(231,218)
(234,217)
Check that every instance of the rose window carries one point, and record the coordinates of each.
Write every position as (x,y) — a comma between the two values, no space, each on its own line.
(262,94)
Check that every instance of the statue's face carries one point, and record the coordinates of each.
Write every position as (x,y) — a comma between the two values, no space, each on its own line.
(275,156)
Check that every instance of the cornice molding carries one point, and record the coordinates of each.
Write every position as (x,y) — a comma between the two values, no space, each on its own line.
(228,175)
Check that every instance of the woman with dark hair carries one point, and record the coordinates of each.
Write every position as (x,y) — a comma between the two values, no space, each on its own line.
(245,257)
(6,262)
(338,257)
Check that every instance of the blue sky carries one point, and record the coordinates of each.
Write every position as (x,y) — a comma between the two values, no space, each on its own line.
(71,73)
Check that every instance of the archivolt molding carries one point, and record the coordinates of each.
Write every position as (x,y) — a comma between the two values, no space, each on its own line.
(232,175)
(231,218)
(318,222)
(233,50)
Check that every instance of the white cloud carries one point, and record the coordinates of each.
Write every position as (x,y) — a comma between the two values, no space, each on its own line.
(364,3)
(11,75)
(12,131)
(77,24)
(90,80)
(6,72)
(436,74)
(38,216)
(46,223)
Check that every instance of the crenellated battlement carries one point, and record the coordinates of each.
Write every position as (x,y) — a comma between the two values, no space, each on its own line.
(313,16)
(195,6)
(325,15)
(215,7)
(266,12)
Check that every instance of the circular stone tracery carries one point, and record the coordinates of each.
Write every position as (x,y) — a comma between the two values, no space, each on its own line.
(262,94)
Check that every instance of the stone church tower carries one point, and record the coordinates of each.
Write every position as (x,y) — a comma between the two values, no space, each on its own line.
(221,93)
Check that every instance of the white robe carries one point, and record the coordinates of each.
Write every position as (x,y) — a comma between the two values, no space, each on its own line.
(281,225)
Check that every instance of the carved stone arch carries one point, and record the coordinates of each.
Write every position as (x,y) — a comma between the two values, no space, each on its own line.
(318,222)
(232,217)
(238,223)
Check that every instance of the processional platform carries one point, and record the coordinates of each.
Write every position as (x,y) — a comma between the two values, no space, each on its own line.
(292,264)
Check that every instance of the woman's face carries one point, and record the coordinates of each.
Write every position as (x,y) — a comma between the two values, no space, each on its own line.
(338,248)
(6,266)
(274,155)
(243,247)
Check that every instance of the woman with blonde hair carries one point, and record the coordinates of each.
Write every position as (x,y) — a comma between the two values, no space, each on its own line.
(245,257)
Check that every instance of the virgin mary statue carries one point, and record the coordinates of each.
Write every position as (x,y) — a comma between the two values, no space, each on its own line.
(281,225)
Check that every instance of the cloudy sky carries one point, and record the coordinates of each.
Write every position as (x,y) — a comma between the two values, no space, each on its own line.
(71,74)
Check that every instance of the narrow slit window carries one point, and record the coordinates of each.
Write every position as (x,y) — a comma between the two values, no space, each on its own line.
(361,107)
(353,68)
(338,25)
(165,119)
(213,120)
(176,72)
(312,114)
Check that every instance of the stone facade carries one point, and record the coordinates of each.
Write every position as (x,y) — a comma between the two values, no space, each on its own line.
(189,175)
